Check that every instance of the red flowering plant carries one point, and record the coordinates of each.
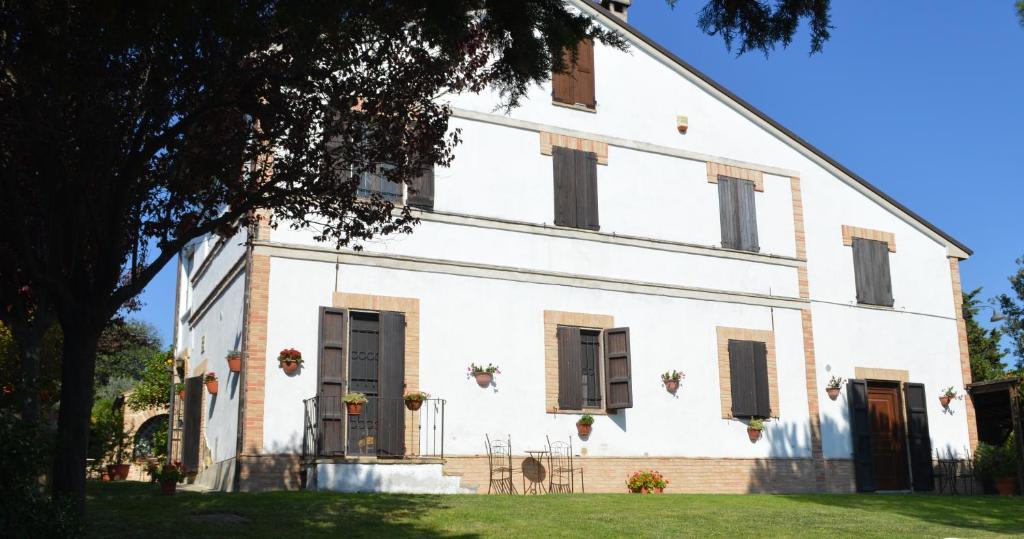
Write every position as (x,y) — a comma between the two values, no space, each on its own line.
(290,355)
(645,482)
(210,377)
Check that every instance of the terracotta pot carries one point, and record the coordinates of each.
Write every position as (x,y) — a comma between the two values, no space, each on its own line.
(105,476)
(659,490)
(235,363)
(833,392)
(583,430)
(645,490)
(212,387)
(672,386)
(413,405)
(354,408)
(484,379)
(181,394)
(289,367)
(754,434)
(1005,486)
(168,487)
(122,470)
(944,401)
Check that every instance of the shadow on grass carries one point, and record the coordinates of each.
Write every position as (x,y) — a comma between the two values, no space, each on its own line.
(129,509)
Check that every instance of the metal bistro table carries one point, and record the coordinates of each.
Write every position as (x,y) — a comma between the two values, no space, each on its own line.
(534,472)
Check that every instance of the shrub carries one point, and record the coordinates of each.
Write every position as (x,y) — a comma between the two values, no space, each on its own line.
(996,461)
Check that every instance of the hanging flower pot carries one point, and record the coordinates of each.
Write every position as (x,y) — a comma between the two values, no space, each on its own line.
(833,392)
(289,360)
(585,425)
(947,395)
(671,380)
(944,401)
(414,400)
(484,375)
(754,429)
(834,386)
(354,403)
(210,379)
(181,391)
(234,358)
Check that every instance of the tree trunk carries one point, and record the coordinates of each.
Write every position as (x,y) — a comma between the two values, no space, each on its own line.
(76,394)
(28,351)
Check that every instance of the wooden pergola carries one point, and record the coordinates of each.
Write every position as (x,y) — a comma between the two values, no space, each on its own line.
(999,411)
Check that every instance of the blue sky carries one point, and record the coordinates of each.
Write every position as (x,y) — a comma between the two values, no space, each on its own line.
(925,99)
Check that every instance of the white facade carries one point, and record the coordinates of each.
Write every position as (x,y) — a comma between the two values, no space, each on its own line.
(488,262)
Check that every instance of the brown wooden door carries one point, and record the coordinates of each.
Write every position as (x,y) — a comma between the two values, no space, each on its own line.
(888,440)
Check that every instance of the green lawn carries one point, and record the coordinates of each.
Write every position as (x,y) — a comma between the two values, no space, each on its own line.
(136,510)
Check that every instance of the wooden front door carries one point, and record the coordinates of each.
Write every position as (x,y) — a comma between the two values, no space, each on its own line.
(888,439)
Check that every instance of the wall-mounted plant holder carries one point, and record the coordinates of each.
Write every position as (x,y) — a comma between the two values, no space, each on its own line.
(289,360)
(671,380)
(484,375)
(234,358)
(834,387)
(682,124)
(210,379)
(948,395)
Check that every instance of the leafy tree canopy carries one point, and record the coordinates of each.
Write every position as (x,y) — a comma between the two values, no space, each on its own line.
(1012,306)
(986,354)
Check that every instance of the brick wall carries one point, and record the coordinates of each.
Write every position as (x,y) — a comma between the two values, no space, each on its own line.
(965,354)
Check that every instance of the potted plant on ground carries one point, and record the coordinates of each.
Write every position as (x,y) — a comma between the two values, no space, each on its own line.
(671,380)
(289,360)
(120,443)
(234,358)
(210,379)
(998,463)
(168,475)
(585,425)
(484,375)
(834,385)
(647,482)
(414,399)
(947,395)
(755,428)
(180,388)
(354,402)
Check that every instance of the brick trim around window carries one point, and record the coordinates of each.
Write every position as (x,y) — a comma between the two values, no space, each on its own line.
(549,140)
(553,319)
(724,334)
(411,308)
(850,232)
(720,169)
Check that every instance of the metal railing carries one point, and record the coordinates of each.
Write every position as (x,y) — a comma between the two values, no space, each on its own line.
(386,427)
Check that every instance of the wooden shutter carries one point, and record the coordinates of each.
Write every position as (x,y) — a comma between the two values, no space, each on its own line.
(586,189)
(871,272)
(743,385)
(728,213)
(617,369)
(920,439)
(421,191)
(562,83)
(193,420)
(584,74)
(564,163)
(570,392)
(391,385)
(860,432)
(331,380)
(746,215)
(762,389)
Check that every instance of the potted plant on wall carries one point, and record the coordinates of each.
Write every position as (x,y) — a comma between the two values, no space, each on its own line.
(414,399)
(755,428)
(671,380)
(947,395)
(234,358)
(180,388)
(289,360)
(585,425)
(834,385)
(997,463)
(484,375)
(647,482)
(210,379)
(354,402)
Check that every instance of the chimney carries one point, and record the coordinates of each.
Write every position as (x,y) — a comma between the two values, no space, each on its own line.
(619,8)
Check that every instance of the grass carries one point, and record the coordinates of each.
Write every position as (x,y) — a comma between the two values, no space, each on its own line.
(127,509)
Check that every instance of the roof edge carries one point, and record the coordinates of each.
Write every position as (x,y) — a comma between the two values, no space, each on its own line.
(611,19)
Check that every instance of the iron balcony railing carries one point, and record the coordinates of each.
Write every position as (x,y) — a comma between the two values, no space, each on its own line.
(385,428)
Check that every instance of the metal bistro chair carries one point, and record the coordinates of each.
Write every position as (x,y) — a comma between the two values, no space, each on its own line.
(965,472)
(499,464)
(561,469)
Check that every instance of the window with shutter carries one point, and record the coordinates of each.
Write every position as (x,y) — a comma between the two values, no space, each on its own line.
(919,437)
(860,432)
(375,183)
(575,86)
(575,184)
(579,368)
(421,191)
(871,272)
(737,214)
(748,379)
(618,369)
(331,380)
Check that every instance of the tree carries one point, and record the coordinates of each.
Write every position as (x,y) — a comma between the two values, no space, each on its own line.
(1013,307)
(124,350)
(154,389)
(1020,11)
(758,26)
(986,354)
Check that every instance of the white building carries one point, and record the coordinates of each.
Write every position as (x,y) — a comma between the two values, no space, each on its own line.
(638,195)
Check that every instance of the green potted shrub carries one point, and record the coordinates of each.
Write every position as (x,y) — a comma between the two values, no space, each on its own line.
(755,428)
(354,402)
(484,375)
(414,399)
(289,360)
(671,380)
(210,379)
(120,444)
(947,395)
(998,463)
(168,475)
(585,425)
(647,482)
(834,385)
(234,358)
